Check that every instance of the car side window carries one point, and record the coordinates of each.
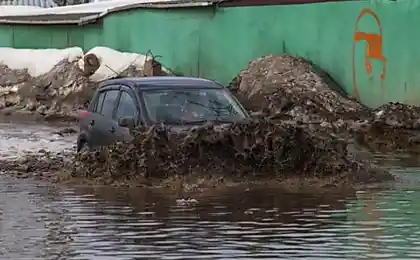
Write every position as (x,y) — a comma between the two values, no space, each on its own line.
(99,101)
(109,103)
(126,106)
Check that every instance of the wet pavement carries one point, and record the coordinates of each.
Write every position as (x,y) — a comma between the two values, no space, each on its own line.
(18,139)
(41,221)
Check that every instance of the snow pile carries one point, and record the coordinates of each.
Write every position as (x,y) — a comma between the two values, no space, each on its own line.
(49,80)
(37,62)
(113,63)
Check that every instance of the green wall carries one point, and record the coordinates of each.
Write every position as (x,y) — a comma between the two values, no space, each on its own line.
(218,43)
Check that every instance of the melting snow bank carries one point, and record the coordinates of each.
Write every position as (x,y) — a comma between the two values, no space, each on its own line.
(56,83)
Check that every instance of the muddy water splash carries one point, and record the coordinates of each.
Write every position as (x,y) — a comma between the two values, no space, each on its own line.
(295,134)
(259,148)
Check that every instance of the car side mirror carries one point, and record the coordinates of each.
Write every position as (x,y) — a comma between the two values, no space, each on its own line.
(127,121)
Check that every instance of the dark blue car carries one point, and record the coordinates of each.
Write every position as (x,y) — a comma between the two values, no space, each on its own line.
(179,102)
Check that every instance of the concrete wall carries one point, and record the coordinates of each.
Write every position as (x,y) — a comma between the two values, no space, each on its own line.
(368,47)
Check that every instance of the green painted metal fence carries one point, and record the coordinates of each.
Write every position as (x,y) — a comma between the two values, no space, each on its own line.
(368,47)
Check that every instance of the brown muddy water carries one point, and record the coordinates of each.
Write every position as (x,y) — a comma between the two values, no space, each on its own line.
(41,221)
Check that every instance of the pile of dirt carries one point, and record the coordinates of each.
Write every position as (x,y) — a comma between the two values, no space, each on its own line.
(58,94)
(397,115)
(260,148)
(13,77)
(392,127)
(290,88)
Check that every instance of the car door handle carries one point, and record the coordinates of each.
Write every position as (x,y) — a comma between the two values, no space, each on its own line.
(91,123)
(112,129)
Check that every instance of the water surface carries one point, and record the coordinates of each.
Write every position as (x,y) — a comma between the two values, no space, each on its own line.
(39,221)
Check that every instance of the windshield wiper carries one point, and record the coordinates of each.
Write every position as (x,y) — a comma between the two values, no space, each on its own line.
(220,107)
(217,110)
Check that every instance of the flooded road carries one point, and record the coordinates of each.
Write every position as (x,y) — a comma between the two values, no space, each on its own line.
(16,139)
(40,221)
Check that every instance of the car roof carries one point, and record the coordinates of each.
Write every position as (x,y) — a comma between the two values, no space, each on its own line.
(163,81)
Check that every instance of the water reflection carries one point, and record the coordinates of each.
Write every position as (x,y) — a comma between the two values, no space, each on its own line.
(71,224)
(239,224)
(40,222)
(385,224)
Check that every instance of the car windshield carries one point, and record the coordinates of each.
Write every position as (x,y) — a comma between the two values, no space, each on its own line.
(192,106)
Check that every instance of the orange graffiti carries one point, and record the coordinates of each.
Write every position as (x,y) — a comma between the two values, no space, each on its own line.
(373,49)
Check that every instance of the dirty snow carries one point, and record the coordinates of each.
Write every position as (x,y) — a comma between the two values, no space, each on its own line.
(113,62)
(39,62)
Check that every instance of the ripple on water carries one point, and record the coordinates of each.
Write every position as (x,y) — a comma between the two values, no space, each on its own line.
(18,139)
(40,222)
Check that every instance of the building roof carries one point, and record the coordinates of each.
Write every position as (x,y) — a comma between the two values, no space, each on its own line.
(26,3)
(87,13)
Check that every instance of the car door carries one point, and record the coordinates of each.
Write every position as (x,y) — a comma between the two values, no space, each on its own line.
(103,122)
(127,107)
(87,120)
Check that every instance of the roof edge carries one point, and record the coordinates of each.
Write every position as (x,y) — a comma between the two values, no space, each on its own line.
(88,19)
